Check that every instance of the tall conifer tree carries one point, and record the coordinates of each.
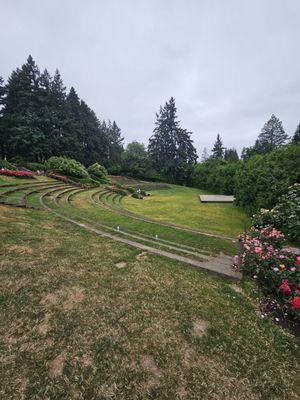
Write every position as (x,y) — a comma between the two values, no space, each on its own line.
(218,149)
(296,137)
(170,147)
(271,136)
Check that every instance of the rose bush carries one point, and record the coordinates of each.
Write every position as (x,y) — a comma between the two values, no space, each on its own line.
(17,174)
(275,267)
(285,215)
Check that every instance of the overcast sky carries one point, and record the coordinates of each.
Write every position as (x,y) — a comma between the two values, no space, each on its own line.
(229,64)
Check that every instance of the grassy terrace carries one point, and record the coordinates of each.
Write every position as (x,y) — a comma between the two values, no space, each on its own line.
(181,205)
(85,317)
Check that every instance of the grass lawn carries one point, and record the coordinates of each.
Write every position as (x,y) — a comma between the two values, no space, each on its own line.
(181,205)
(83,317)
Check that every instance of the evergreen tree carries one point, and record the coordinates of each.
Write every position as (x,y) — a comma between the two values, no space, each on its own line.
(170,147)
(20,113)
(93,141)
(38,120)
(231,155)
(296,137)
(115,145)
(2,91)
(72,140)
(271,136)
(218,149)
(59,115)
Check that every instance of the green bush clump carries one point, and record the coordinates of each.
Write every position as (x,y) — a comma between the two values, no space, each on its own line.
(6,165)
(137,196)
(99,172)
(262,179)
(34,166)
(66,166)
(122,192)
(285,215)
(131,189)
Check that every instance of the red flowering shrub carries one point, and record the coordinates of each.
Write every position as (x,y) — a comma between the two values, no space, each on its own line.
(274,267)
(59,177)
(17,174)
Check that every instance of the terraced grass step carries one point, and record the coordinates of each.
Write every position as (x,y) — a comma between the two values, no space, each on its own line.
(17,195)
(221,267)
(192,251)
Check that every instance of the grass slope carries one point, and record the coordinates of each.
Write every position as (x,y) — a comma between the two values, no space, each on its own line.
(75,325)
(181,205)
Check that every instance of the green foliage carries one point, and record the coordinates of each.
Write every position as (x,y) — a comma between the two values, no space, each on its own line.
(34,166)
(272,136)
(39,120)
(67,167)
(216,175)
(231,155)
(6,165)
(296,137)
(136,163)
(264,218)
(170,147)
(285,216)
(120,191)
(137,196)
(131,189)
(99,172)
(218,149)
(262,179)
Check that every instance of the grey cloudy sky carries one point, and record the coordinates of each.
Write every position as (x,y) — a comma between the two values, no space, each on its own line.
(229,64)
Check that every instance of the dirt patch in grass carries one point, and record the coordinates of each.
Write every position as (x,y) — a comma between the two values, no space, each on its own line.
(20,249)
(56,366)
(65,298)
(236,288)
(142,256)
(44,326)
(154,373)
(199,327)
(121,265)
(74,296)
(86,360)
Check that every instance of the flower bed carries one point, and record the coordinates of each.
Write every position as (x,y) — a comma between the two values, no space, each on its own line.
(276,269)
(17,174)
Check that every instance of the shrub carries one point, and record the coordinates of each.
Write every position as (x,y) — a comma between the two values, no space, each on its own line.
(99,172)
(216,175)
(275,268)
(262,179)
(143,193)
(67,166)
(59,177)
(17,174)
(34,166)
(122,192)
(285,215)
(131,189)
(137,196)
(6,165)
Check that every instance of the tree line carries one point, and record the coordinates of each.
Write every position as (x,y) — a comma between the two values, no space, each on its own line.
(40,119)
(261,176)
